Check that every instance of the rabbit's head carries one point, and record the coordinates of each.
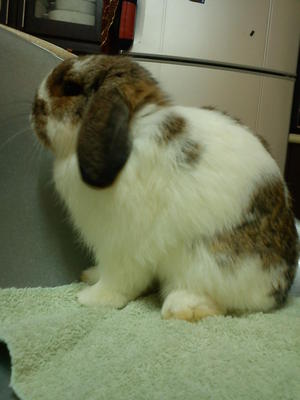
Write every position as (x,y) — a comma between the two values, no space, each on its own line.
(84,107)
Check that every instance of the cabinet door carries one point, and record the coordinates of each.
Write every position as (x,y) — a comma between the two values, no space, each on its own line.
(283,41)
(274,115)
(230,31)
(226,31)
(148,27)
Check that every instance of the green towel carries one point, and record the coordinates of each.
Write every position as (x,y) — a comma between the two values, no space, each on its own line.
(61,350)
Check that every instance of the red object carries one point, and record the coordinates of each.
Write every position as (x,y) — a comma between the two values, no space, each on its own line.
(127,20)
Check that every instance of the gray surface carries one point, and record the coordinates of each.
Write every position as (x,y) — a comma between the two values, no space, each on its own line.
(295,291)
(37,244)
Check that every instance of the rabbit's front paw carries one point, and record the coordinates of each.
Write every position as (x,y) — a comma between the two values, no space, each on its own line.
(191,307)
(100,295)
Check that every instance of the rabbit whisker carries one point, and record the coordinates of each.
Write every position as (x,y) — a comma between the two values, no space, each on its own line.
(13,137)
(8,103)
(33,156)
(14,116)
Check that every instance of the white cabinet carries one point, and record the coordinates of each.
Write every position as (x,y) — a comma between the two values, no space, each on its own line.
(148,27)
(249,33)
(283,38)
(274,114)
(261,102)
(227,31)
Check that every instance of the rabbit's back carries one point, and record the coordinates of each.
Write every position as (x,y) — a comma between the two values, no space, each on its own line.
(202,162)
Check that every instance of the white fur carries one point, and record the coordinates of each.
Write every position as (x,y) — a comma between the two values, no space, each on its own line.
(61,134)
(43,91)
(142,226)
(80,64)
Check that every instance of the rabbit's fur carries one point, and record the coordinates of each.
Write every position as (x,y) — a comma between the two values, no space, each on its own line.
(185,196)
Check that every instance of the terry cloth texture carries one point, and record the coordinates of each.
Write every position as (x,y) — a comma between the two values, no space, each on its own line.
(61,350)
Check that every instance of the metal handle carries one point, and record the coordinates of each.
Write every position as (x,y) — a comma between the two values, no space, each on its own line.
(6,14)
(23,13)
(294,138)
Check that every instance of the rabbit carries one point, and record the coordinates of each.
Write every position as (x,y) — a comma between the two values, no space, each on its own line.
(184,196)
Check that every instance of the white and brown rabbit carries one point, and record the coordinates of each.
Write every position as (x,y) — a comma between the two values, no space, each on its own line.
(185,196)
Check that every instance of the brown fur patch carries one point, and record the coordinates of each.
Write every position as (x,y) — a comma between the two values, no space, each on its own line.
(42,135)
(39,113)
(269,231)
(56,78)
(141,89)
(171,128)
(191,151)
(39,107)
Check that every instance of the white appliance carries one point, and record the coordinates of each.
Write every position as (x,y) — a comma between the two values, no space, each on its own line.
(237,55)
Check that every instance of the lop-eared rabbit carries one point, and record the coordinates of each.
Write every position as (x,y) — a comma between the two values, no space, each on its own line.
(184,196)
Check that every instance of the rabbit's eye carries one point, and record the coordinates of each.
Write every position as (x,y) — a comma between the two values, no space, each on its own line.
(71,88)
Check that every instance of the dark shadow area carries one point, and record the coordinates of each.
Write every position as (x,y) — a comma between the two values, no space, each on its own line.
(6,393)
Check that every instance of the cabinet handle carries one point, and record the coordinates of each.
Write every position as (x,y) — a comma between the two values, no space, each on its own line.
(23,13)
(294,138)
(6,13)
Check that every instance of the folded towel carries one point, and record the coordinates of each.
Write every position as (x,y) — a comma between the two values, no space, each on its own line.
(61,350)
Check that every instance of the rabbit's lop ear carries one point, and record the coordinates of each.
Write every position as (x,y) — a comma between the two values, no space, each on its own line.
(103,143)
